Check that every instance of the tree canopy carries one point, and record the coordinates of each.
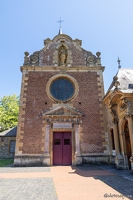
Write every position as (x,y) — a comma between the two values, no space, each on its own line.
(9,107)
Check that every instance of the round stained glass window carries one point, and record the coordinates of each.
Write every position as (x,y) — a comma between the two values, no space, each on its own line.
(62,89)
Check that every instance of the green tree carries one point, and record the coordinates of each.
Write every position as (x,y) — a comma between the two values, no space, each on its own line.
(9,106)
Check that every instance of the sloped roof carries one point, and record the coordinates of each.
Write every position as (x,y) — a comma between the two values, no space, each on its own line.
(9,133)
(125,77)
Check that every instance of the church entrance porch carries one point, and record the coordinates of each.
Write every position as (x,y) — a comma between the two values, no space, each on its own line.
(62,124)
(62,148)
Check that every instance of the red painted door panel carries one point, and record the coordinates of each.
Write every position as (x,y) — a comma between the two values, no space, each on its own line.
(67,152)
(62,148)
(57,149)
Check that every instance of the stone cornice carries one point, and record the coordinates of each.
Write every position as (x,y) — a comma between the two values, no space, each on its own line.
(58,68)
(109,97)
(62,113)
(66,111)
(65,119)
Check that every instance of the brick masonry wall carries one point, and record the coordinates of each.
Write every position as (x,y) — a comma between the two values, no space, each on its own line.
(91,135)
(37,101)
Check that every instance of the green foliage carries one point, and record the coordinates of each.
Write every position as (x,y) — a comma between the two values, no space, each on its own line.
(5,162)
(9,106)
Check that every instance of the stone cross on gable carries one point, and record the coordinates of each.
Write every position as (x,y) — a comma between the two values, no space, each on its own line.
(60,21)
(119,63)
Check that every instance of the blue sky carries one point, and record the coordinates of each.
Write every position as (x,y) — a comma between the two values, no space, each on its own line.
(102,25)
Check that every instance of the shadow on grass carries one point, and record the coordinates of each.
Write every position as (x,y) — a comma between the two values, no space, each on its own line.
(6,162)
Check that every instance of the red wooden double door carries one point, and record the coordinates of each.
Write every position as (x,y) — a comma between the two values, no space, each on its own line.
(62,148)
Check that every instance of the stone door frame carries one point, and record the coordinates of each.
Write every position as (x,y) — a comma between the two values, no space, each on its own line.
(48,142)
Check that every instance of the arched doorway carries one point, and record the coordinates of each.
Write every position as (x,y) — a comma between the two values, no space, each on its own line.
(128,144)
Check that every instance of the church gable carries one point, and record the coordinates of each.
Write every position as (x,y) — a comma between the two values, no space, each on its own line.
(62,51)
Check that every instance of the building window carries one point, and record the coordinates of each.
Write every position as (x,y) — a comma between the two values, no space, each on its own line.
(130,86)
(12,146)
(62,89)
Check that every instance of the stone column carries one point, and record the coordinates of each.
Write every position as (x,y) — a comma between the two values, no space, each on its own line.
(116,138)
(130,126)
(129,112)
(46,159)
(123,146)
(78,158)
(118,158)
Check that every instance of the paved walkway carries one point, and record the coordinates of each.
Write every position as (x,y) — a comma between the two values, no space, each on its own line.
(65,183)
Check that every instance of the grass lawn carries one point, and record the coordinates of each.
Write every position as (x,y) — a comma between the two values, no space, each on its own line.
(5,162)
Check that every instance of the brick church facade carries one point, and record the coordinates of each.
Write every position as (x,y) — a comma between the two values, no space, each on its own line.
(62,118)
